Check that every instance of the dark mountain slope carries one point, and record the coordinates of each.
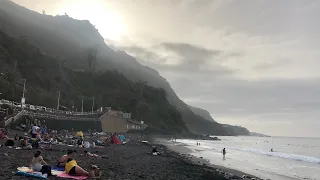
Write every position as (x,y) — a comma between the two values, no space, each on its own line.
(69,41)
(201,112)
(45,76)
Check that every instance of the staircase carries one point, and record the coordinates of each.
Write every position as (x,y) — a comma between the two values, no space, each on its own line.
(14,118)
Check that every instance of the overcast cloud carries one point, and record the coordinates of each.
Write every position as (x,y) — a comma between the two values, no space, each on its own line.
(248,62)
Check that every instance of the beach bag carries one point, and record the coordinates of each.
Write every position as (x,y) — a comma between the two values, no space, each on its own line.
(46,170)
(9,142)
(86,144)
(35,144)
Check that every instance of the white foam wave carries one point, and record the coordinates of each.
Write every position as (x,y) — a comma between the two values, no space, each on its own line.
(296,157)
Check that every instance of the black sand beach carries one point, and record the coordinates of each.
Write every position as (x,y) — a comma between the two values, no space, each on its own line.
(130,161)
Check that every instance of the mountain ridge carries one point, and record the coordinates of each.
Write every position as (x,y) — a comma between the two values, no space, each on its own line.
(109,87)
(201,112)
(70,41)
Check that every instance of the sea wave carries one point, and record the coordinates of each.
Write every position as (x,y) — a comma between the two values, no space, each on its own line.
(295,157)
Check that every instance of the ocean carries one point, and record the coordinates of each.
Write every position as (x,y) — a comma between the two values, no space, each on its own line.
(292,158)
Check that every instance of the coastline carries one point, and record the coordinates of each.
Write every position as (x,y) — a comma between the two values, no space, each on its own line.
(184,153)
(129,161)
(133,160)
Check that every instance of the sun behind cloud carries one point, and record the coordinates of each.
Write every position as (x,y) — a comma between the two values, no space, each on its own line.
(106,19)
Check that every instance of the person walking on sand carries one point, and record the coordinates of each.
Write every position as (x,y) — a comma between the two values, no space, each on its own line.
(224,153)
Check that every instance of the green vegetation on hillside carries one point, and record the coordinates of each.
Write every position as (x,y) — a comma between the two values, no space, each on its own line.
(46,76)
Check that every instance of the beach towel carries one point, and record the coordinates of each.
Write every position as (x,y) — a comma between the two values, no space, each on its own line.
(24,169)
(54,172)
(30,174)
(56,168)
(65,175)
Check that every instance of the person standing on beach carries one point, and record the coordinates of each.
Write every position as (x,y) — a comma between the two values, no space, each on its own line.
(34,131)
(224,153)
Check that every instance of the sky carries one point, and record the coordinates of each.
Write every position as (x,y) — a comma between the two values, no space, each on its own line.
(252,63)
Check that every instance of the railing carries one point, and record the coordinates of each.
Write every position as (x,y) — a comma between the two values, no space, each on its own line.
(30,107)
(12,119)
(59,116)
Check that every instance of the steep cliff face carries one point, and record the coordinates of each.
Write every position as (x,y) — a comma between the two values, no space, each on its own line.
(236,130)
(45,76)
(69,40)
(201,112)
(230,129)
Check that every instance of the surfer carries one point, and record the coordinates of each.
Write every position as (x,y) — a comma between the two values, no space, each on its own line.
(271,150)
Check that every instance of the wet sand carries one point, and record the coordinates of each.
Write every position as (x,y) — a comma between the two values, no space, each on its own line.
(185,153)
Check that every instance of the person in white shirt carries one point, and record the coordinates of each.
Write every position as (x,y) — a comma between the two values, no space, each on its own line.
(34,130)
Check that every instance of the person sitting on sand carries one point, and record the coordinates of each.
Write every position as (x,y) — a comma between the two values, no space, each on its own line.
(94,172)
(155,151)
(90,154)
(9,142)
(3,134)
(37,162)
(38,136)
(63,160)
(24,143)
(73,169)
(35,143)
(80,141)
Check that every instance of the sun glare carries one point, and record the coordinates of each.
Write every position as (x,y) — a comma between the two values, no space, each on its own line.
(107,20)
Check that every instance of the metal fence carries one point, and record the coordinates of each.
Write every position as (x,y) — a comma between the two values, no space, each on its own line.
(38,115)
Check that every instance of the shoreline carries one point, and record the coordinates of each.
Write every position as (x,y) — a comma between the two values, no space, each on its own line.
(129,161)
(184,153)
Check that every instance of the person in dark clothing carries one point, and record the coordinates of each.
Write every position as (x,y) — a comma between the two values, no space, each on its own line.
(9,142)
(224,153)
(80,141)
(35,143)
(155,151)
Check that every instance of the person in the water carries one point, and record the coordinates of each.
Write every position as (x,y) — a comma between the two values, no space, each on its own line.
(224,152)
(271,150)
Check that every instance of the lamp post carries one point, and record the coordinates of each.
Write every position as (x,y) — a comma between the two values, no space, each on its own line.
(24,87)
(82,105)
(92,105)
(23,99)
(58,105)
